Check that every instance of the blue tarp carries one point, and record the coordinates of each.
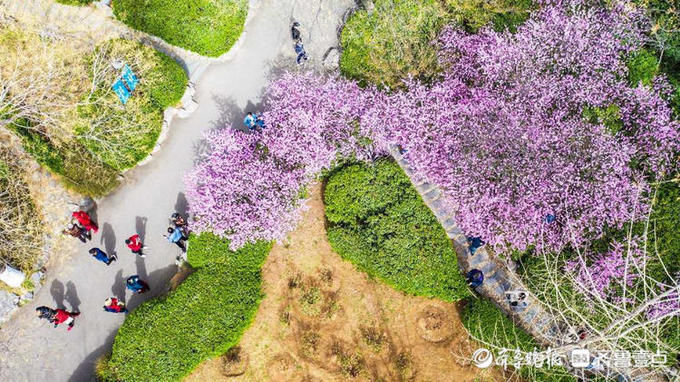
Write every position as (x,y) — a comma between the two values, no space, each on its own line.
(129,78)
(121,91)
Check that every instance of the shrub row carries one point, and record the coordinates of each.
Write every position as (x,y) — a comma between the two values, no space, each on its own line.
(379,222)
(166,338)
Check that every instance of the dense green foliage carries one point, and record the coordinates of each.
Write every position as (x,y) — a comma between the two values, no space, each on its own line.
(395,39)
(75,166)
(664,41)
(75,2)
(206,27)
(379,222)
(121,138)
(499,14)
(21,227)
(391,42)
(487,324)
(642,67)
(166,338)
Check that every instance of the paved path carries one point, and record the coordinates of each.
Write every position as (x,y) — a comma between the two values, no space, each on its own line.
(31,350)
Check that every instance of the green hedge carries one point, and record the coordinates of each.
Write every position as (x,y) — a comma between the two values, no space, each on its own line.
(206,27)
(379,222)
(166,338)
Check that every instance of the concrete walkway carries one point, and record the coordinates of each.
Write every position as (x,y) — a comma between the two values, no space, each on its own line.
(30,349)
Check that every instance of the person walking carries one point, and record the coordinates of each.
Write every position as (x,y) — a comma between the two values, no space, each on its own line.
(135,245)
(249,121)
(102,256)
(76,231)
(176,235)
(475,278)
(178,220)
(46,313)
(64,317)
(301,53)
(136,285)
(113,305)
(85,221)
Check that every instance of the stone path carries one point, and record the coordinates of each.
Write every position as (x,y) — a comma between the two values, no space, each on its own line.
(31,350)
(546,329)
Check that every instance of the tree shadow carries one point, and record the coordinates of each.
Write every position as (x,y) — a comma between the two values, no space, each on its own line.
(72,296)
(118,287)
(85,371)
(57,291)
(181,205)
(140,227)
(158,281)
(109,239)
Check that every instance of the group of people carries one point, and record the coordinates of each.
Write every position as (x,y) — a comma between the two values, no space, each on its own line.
(81,227)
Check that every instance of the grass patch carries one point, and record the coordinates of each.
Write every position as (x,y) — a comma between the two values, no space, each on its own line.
(379,222)
(166,338)
(392,42)
(120,136)
(206,27)
(487,324)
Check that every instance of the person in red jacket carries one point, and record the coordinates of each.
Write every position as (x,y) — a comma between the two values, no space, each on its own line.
(114,306)
(64,317)
(135,245)
(85,221)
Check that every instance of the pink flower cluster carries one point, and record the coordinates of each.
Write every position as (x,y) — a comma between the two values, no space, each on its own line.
(606,275)
(503,133)
(251,185)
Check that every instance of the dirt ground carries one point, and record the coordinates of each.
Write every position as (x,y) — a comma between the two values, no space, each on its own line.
(323,320)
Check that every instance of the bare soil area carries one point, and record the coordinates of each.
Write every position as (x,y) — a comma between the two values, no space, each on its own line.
(324,320)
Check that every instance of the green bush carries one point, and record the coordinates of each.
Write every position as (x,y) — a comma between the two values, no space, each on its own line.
(123,136)
(21,228)
(378,222)
(487,324)
(499,14)
(206,27)
(75,2)
(166,338)
(642,67)
(71,162)
(392,41)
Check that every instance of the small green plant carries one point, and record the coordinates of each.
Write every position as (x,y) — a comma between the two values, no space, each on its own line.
(75,2)
(352,364)
(643,66)
(310,344)
(373,337)
(310,301)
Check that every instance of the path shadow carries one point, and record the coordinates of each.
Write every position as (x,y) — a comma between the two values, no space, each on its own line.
(181,205)
(57,291)
(140,227)
(109,239)
(85,371)
(72,296)
(118,287)
(159,282)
